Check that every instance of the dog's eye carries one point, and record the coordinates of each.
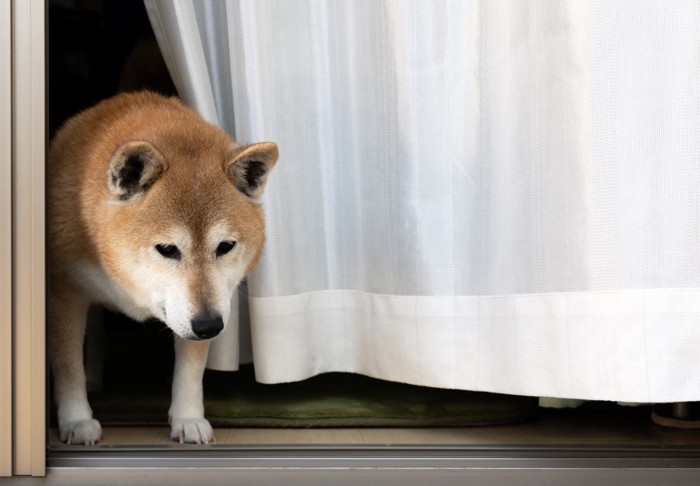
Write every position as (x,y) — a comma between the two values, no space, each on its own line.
(224,247)
(169,251)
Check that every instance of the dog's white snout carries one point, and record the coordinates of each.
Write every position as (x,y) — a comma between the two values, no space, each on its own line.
(207,326)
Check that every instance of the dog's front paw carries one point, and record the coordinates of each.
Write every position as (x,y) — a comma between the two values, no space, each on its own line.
(88,432)
(191,430)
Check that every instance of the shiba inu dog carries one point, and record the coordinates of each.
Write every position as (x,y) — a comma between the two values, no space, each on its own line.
(155,213)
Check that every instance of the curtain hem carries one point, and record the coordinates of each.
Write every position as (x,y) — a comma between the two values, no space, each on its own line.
(622,345)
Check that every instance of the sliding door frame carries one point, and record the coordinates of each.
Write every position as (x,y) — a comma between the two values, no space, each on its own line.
(22,238)
(5,238)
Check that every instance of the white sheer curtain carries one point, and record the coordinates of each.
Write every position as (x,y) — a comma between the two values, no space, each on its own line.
(486,195)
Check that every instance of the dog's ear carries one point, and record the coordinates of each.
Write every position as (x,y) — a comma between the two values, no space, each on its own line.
(133,169)
(249,166)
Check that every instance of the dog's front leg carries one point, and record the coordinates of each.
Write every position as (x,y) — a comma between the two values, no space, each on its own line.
(67,321)
(187,407)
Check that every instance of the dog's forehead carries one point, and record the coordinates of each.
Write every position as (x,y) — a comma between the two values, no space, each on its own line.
(204,203)
(202,192)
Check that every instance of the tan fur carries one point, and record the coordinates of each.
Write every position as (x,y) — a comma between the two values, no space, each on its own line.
(97,238)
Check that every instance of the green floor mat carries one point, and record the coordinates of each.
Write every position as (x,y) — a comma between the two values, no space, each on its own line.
(138,367)
(331,400)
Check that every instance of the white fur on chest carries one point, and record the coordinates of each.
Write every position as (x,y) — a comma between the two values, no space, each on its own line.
(102,289)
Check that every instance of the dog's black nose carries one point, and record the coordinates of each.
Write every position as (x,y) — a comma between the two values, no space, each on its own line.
(207,326)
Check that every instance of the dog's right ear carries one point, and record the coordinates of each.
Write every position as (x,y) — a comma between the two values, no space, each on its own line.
(133,169)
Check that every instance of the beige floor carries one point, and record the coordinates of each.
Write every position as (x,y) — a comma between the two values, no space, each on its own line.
(551,428)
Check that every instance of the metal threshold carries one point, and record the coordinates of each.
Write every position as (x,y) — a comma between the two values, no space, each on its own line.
(342,464)
(362,456)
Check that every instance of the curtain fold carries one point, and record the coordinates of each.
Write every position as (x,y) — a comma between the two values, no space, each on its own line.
(486,195)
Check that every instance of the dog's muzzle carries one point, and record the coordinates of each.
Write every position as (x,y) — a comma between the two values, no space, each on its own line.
(207,327)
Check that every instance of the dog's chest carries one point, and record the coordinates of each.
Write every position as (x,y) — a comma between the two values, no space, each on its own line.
(96,283)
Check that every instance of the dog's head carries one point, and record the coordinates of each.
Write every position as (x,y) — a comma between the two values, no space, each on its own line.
(188,224)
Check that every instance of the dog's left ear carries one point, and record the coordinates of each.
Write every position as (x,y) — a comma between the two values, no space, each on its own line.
(249,167)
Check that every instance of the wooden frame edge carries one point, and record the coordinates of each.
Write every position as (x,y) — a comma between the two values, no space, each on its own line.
(28,234)
(5,238)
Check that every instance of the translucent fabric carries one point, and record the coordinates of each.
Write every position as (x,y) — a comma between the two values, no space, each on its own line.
(487,195)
